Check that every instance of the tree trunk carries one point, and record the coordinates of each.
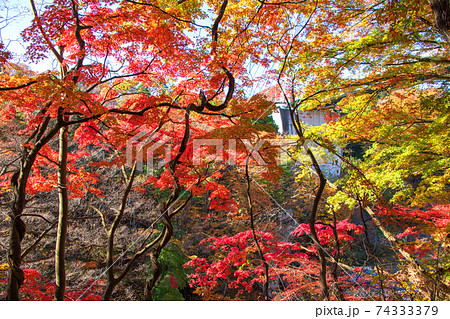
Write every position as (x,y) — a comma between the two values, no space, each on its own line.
(441,9)
(334,267)
(255,238)
(16,233)
(151,281)
(112,281)
(17,226)
(312,225)
(313,216)
(107,294)
(60,269)
(15,276)
(167,235)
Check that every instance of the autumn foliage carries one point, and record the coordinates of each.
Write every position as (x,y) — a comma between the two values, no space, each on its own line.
(143,163)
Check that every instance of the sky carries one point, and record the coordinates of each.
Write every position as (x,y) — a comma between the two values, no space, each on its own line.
(15,16)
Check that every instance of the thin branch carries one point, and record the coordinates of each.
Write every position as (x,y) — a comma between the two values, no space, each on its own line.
(34,215)
(36,242)
(255,238)
(102,216)
(124,75)
(168,14)
(81,42)
(44,35)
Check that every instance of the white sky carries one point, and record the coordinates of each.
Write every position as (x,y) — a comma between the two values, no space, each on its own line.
(15,16)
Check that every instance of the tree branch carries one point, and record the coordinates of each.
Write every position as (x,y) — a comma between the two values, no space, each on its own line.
(46,39)
(12,88)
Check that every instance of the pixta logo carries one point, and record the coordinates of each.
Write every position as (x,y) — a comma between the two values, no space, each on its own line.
(144,146)
(251,148)
(154,151)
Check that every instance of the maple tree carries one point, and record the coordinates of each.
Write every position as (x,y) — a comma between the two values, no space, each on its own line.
(84,93)
(381,64)
(37,288)
(241,269)
(140,83)
(425,237)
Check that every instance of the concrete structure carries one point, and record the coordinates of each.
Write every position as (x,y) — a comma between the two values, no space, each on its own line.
(330,165)
(313,118)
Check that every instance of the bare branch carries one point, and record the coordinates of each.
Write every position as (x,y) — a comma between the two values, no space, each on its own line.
(102,216)
(36,242)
